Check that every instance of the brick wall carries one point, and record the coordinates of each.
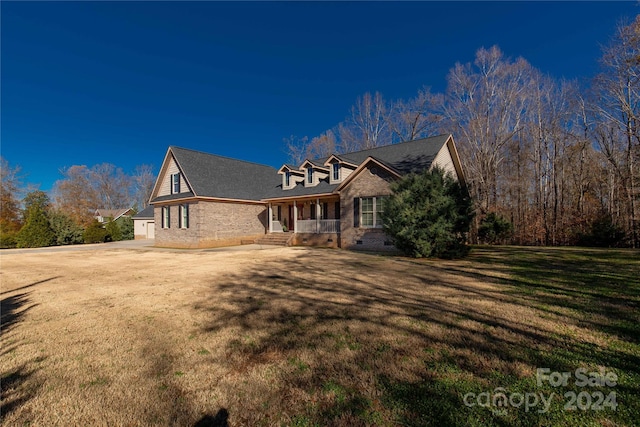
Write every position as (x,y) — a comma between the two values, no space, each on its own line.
(212,224)
(372,181)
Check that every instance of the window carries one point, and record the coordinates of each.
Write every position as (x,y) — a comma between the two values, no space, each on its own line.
(310,175)
(175,183)
(313,211)
(336,171)
(371,211)
(287,179)
(367,212)
(184,216)
(166,217)
(379,202)
(336,210)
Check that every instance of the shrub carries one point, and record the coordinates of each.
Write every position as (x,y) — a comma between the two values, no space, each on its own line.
(113,231)
(37,231)
(603,233)
(95,233)
(67,232)
(8,239)
(126,227)
(494,228)
(428,215)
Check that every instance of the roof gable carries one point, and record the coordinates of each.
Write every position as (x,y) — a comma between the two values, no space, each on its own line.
(210,175)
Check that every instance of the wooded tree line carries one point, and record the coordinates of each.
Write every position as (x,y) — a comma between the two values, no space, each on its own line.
(556,159)
(31,217)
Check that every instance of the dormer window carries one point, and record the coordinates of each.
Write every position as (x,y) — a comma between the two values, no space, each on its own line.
(335,170)
(175,183)
(309,175)
(287,179)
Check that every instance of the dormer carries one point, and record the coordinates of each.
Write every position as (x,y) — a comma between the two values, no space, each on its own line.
(313,173)
(338,168)
(291,176)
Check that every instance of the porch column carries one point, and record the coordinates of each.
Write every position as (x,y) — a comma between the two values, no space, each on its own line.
(270,218)
(295,217)
(317,215)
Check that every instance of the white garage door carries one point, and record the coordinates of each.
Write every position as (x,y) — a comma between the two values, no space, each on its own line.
(151,230)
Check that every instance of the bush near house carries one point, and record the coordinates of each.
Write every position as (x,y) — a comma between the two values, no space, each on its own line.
(95,233)
(428,215)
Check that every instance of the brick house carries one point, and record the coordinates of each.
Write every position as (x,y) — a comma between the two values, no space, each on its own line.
(204,200)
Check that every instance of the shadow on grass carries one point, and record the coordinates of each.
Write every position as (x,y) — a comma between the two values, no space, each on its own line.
(380,341)
(220,419)
(14,386)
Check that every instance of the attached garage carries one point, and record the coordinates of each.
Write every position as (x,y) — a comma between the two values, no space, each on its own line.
(144,225)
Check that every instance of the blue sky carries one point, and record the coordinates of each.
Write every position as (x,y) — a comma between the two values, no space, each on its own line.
(118,82)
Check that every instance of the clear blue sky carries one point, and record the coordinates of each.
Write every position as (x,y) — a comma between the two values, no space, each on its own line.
(118,82)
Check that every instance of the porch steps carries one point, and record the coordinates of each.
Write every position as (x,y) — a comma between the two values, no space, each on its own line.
(276,239)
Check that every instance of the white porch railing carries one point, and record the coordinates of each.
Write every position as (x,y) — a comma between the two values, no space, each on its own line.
(318,226)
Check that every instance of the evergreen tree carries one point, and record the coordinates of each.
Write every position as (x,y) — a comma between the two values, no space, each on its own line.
(37,231)
(494,228)
(126,227)
(66,230)
(428,215)
(113,231)
(95,233)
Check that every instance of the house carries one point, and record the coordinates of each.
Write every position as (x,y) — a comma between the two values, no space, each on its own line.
(144,224)
(106,215)
(205,200)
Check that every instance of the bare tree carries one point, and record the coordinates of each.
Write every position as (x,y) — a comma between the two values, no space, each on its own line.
(142,180)
(9,197)
(617,107)
(366,127)
(75,194)
(112,185)
(296,149)
(416,118)
(321,146)
(485,104)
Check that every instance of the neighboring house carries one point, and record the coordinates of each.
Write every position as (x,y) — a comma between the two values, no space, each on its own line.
(204,200)
(105,215)
(144,224)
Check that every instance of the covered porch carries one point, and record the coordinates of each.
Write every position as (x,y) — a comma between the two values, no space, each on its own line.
(318,215)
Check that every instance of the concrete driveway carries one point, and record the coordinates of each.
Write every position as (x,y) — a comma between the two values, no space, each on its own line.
(128,244)
(125,244)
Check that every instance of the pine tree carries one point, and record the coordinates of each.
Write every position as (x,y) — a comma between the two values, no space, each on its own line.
(37,231)
(428,215)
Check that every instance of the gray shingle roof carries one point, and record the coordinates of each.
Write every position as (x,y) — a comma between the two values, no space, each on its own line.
(405,157)
(146,213)
(323,187)
(215,176)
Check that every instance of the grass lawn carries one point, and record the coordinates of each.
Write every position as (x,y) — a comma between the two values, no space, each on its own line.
(306,337)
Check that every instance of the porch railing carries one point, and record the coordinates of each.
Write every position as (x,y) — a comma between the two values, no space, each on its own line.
(319,227)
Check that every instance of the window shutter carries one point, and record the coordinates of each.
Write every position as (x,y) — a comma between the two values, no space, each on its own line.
(356,212)
(186,216)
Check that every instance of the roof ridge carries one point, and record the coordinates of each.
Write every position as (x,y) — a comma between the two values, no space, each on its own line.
(222,157)
(383,146)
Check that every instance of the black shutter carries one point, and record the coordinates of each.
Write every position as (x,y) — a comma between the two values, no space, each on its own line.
(186,219)
(337,211)
(356,212)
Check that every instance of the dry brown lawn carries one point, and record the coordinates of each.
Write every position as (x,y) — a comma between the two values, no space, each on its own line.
(287,336)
